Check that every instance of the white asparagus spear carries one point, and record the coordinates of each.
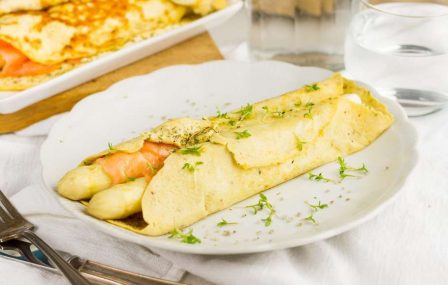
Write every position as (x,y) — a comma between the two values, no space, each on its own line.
(119,201)
(83,182)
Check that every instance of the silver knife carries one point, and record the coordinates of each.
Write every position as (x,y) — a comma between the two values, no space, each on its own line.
(96,273)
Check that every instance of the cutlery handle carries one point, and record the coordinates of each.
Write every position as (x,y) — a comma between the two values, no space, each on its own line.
(118,275)
(69,272)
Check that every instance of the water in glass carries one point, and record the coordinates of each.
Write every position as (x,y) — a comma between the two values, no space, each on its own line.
(400,45)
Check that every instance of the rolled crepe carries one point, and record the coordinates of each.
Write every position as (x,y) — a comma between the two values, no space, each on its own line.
(8,6)
(244,152)
(120,164)
(38,45)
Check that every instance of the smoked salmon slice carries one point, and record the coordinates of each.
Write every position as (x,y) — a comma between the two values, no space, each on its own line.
(121,166)
(15,63)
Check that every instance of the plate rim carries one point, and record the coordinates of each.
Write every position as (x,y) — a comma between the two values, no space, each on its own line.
(399,185)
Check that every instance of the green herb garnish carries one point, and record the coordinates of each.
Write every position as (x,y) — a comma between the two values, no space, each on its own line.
(278,114)
(245,111)
(298,103)
(195,150)
(311,88)
(111,147)
(185,238)
(225,223)
(192,167)
(221,115)
(259,206)
(130,179)
(242,135)
(232,123)
(318,177)
(311,219)
(362,169)
(344,175)
(343,168)
(314,208)
(268,220)
(274,114)
(263,203)
(308,107)
(317,207)
(152,168)
(299,144)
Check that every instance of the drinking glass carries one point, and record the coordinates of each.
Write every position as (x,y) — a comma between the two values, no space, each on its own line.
(303,32)
(401,48)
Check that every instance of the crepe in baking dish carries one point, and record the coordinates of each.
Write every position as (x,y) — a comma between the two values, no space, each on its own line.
(8,6)
(36,46)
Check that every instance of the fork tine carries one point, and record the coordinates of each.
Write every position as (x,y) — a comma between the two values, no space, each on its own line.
(8,206)
(4,216)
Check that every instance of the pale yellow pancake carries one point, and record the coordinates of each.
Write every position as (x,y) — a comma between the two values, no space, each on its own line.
(80,29)
(8,6)
(326,120)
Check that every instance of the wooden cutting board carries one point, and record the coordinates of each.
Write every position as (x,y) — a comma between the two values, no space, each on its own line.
(195,50)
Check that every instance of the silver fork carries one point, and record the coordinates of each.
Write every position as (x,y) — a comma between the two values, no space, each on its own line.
(13,226)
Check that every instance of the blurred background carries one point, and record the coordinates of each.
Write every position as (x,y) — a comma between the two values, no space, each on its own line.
(398,46)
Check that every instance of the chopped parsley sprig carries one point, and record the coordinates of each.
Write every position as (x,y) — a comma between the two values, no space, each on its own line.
(312,87)
(344,168)
(317,207)
(263,203)
(185,237)
(318,177)
(194,150)
(344,172)
(131,178)
(221,115)
(279,114)
(268,220)
(260,205)
(274,114)
(151,168)
(192,167)
(314,209)
(225,223)
(242,135)
(245,112)
(299,144)
(308,107)
(111,148)
(311,219)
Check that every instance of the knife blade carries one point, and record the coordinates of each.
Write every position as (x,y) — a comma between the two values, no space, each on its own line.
(96,273)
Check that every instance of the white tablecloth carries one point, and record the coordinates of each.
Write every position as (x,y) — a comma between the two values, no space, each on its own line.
(405,244)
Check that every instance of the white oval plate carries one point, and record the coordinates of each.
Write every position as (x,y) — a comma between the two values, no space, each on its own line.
(11,102)
(140,103)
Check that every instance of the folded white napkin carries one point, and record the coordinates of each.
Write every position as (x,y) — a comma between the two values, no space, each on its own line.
(404,244)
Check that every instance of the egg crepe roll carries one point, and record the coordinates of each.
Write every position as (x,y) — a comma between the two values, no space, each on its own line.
(225,159)
(8,6)
(115,175)
(123,163)
(36,46)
